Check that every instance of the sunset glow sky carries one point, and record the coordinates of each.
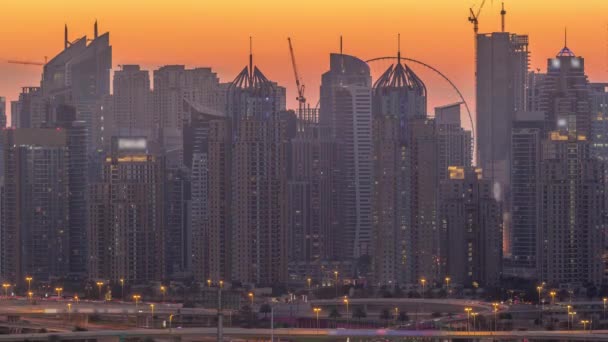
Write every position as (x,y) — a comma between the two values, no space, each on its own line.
(215,34)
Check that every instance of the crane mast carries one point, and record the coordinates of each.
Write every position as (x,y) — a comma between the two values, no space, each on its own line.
(299,85)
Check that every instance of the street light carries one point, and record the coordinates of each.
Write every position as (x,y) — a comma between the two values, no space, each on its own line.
(29,283)
(208,282)
(309,281)
(69,310)
(317,310)
(6,286)
(171,322)
(495,305)
(468,311)
(396,314)
(585,322)
(423,281)
(347,313)
(221,284)
(136,298)
(99,285)
(447,285)
(30,295)
(152,314)
(58,290)
(76,298)
(540,305)
(163,290)
(605,300)
(336,282)
(474,314)
(572,314)
(122,289)
(552,294)
(251,295)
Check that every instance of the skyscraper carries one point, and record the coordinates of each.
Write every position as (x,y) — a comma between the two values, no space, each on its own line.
(2,112)
(454,146)
(571,235)
(346,107)
(399,98)
(126,215)
(35,236)
(133,102)
(313,202)
(255,106)
(471,222)
(526,138)
(207,147)
(501,75)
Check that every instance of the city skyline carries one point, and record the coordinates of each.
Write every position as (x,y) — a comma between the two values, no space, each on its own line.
(185,28)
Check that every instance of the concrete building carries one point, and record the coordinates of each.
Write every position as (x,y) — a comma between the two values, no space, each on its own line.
(259,178)
(526,138)
(599,120)
(126,233)
(173,84)
(207,154)
(454,144)
(2,112)
(471,229)
(312,198)
(132,109)
(571,236)
(399,98)
(346,107)
(34,230)
(565,94)
(502,90)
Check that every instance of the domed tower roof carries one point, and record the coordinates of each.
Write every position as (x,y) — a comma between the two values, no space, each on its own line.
(400,76)
(252,80)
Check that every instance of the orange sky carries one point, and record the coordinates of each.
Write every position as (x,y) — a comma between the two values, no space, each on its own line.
(215,33)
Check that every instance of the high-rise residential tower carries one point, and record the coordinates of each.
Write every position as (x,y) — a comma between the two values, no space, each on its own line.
(346,107)
(132,107)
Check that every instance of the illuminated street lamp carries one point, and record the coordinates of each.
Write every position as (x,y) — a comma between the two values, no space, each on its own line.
(308,281)
(423,282)
(163,290)
(317,311)
(69,310)
(6,287)
(474,314)
(347,312)
(552,294)
(336,281)
(447,285)
(29,283)
(495,305)
(251,295)
(136,298)
(585,322)
(571,315)
(208,282)
(30,295)
(152,310)
(221,284)
(396,313)
(58,290)
(171,322)
(99,285)
(605,300)
(122,289)
(76,299)
(468,311)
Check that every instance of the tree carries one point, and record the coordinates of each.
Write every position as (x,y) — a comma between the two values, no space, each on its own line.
(334,314)
(359,313)
(403,317)
(265,309)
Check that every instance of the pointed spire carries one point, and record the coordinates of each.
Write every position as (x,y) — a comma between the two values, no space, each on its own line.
(399,48)
(65,37)
(502,17)
(565,36)
(95,32)
(342,55)
(250,58)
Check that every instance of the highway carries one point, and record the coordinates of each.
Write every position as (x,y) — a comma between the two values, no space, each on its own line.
(321,334)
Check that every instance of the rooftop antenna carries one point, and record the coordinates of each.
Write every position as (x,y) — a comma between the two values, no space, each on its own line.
(341,55)
(250,58)
(565,37)
(65,37)
(399,48)
(95,32)
(502,17)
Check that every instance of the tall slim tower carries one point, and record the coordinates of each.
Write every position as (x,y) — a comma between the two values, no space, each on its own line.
(259,178)
(502,73)
(132,102)
(346,107)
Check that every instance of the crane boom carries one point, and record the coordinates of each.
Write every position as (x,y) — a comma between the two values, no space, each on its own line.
(301,99)
(24,62)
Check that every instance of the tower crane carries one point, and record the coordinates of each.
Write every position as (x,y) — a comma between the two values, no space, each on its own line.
(13,61)
(299,85)
(474,17)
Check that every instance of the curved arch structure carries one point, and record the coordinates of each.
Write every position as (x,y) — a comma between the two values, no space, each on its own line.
(466,105)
